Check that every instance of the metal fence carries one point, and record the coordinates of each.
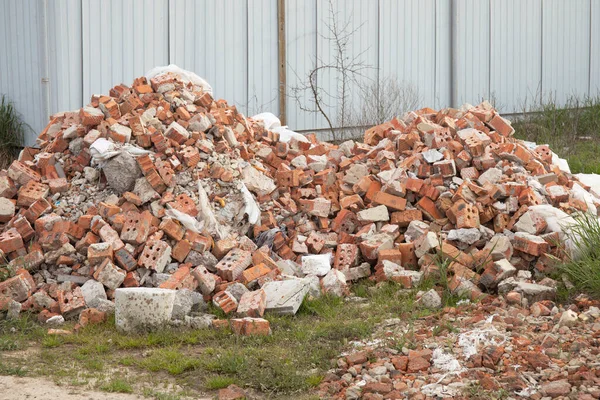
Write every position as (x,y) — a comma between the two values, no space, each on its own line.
(54,54)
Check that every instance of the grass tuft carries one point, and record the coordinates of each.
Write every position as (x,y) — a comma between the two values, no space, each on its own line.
(117,385)
(218,382)
(583,268)
(12,132)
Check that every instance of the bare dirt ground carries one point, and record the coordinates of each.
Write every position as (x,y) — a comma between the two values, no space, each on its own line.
(16,388)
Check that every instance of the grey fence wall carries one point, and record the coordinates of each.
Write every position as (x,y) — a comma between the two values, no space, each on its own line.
(54,54)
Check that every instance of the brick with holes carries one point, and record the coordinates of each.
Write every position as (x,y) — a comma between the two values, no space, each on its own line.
(464,214)
(225,301)
(155,256)
(233,264)
(31,192)
(206,280)
(21,173)
(136,227)
(185,204)
(10,241)
(346,256)
(70,302)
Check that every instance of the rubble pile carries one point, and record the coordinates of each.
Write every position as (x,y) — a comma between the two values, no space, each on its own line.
(495,349)
(159,185)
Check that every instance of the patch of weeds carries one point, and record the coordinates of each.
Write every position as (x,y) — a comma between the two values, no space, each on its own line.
(127,361)
(8,344)
(584,271)
(572,129)
(475,391)
(444,327)
(93,364)
(12,132)
(160,395)
(171,360)
(228,362)
(15,333)
(117,385)
(314,380)
(52,341)
(6,369)
(218,382)
(78,382)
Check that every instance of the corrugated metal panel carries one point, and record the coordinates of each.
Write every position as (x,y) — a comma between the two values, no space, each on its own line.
(472,51)
(595,49)
(301,51)
(516,51)
(122,39)
(263,80)
(566,48)
(443,54)
(21,61)
(356,23)
(210,38)
(65,55)
(407,45)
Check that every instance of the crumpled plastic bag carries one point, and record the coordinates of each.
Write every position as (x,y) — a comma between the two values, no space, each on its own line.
(208,216)
(186,220)
(251,208)
(102,150)
(186,76)
(273,124)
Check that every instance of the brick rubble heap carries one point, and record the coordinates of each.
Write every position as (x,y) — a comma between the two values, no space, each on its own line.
(451,183)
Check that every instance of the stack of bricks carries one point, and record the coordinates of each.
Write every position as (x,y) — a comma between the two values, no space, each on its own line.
(445,182)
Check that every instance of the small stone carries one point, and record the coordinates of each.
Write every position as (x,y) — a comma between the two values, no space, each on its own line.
(568,319)
(556,388)
(431,299)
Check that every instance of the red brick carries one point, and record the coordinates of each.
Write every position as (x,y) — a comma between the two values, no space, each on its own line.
(10,241)
(252,304)
(225,301)
(233,264)
(250,326)
(70,302)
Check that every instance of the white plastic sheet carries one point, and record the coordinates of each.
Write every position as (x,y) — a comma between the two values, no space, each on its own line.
(186,76)
(252,208)
(187,220)
(102,150)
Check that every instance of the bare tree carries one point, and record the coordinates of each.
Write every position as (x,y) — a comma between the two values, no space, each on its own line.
(381,101)
(347,71)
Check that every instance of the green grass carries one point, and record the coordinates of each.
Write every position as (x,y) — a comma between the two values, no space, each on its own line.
(572,130)
(170,360)
(583,269)
(12,132)
(218,382)
(117,385)
(288,363)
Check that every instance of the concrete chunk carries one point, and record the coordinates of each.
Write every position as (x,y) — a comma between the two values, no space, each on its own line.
(139,309)
(285,297)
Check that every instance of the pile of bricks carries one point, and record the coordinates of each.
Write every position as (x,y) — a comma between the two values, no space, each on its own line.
(451,183)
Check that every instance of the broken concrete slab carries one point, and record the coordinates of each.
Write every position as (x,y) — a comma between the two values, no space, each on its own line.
(285,297)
